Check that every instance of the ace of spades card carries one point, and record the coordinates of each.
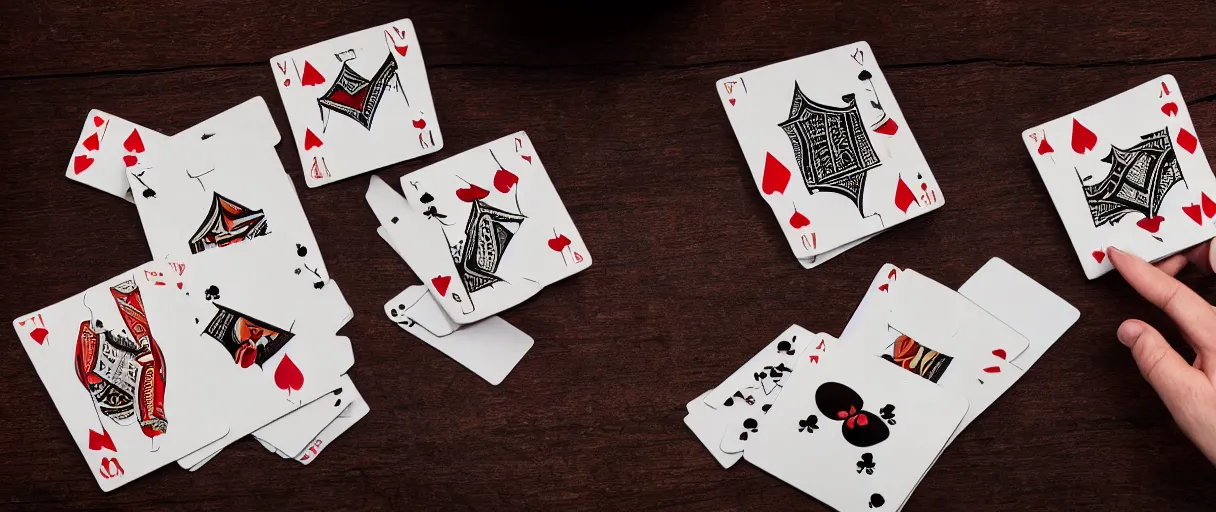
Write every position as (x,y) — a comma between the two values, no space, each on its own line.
(829,148)
(1128,172)
(358,102)
(856,433)
(124,377)
(506,232)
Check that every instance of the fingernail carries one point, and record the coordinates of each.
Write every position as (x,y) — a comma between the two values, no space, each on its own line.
(1129,332)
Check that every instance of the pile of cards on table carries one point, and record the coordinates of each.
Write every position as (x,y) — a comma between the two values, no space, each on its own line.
(857,422)
(829,149)
(231,330)
(485,230)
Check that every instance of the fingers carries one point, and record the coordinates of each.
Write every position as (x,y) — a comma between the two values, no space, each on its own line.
(1166,371)
(1173,265)
(1194,316)
(1203,256)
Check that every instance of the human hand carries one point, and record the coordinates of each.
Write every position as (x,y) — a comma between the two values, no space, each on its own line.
(1188,390)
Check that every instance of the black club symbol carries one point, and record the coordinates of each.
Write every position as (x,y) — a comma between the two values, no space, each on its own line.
(426,198)
(748,424)
(866,464)
(876,500)
(809,424)
(212,292)
(787,347)
(888,413)
(730,400)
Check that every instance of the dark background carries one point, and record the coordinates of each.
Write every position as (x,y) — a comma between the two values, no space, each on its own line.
(691,273)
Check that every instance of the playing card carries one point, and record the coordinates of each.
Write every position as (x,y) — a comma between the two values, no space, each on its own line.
(706,423)
(927,310)
(507,233)
(868,326)
(124,377)
(763,374)
(817,260)
(1023,304)
(295,432)
(829,148)
(108,145)
(427,313)
(490,348)
(856,433)
(358,102)
(354,412)
(1128,172)
(745,417)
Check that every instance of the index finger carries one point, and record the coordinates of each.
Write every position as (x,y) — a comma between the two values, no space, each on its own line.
(1194,316)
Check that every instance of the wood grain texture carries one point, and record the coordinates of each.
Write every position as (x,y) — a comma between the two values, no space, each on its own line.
(692,275)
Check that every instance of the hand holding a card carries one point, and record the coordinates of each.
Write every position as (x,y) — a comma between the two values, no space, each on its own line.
(1189,391)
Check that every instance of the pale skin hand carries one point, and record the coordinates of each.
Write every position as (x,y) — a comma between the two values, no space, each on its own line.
(1188,390)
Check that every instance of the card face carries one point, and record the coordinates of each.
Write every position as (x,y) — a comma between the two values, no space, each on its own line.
(927,310)
(957,366)
(490,348)
(856,433)
(706,423)
(426,313)
(108,145)
(829,148)
(358,102)
(763,374)
(295,432)
(867,329)
(1128,172)
(745,417)
(124,377)
(506,232)
(1023,304)
(354,412)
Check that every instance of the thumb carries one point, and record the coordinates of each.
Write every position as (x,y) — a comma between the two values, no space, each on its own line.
(1166,371)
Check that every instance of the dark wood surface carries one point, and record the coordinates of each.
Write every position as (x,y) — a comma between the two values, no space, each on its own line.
(692,275)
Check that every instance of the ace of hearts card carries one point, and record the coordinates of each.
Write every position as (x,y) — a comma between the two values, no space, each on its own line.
(506,233)
(829,148)
(358,102)
(1128,172)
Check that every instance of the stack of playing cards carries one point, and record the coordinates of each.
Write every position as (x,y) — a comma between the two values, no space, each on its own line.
(1128,172)
(856,422)
(485,230)
(829,149)
(231,330)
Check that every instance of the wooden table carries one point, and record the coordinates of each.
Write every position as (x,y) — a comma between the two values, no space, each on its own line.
(691,274)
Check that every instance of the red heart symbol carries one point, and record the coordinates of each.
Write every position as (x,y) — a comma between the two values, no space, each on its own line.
(1209,206)
(904,196)
(311,140)
(91,143)
(441,284)
(883,287)
(732,102)
(130,160)
(1000,352)
(1045,148)
(472,193)
(98,121)
(1195,212)
(420,123)
(776,176)
(39,335)
(1099,255)
(1151,225)
(179,285)
(134,142)
(80,163)
(287,376)
(286,82)
(401,49)
(1082,139)
(992,369)
(311,76)
(1188,141)
(559,242)
(102,440)
(504,180)
(888,128)
(1170,109)
(798,220)
(526,157)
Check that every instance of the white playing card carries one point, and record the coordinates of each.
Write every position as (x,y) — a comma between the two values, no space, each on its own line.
(746,418)
(490,348)
(817,260)
(294,432)
(108,145)
(763,374)
(857,433)
(1128,172)
(124,377)
(354,412)
(829,148)
(927,310)
(507,232)
(1023,304)
(706,423)
(358,102)
(867,329)
(428,314)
